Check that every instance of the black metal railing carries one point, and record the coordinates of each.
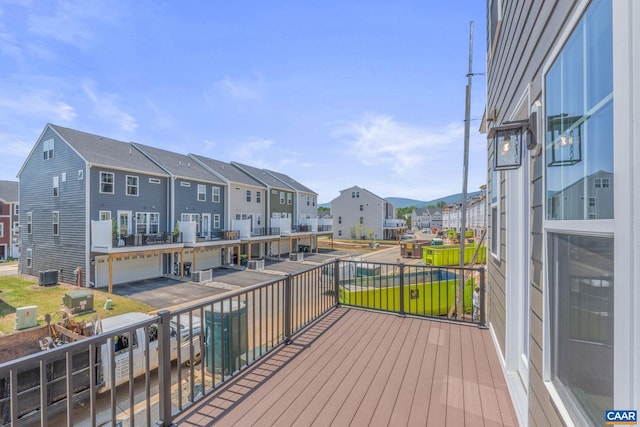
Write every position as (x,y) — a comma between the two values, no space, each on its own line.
(217,339)
(146,239)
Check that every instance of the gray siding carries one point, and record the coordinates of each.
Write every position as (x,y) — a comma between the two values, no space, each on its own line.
(66,251)
(186,200)
(529,31)
(151,197)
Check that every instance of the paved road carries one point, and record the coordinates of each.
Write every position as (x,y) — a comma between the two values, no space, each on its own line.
(8,270)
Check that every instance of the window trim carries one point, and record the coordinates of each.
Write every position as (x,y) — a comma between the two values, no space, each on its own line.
(48,148)
(202,193)
(56,186)
(102,215)
(55,223)
(29,257)
(29,222)
(112,183)
(215,194)
(131,186)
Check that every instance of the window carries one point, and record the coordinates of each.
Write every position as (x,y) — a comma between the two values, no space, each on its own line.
(202,193)
(313,203)
(132,185)
(248,193)
(582,316)
(258,220)
(63,177)
(355,194)
(80,174)
(339,232)
(215,194)
(154,181)
(29,257)
(216,221)
(1,229)
(122,342)
(147,222)
(580,265)
(185,217)
(56,186)
(282,197)
(339,220)
(257,196)
(495,214)
(105,215)
(185,184)
(29,221)
(56,223)
(361,220)
(494,23)
(47,148)
(361,208)
(16,209)
(308,200)
(106,182)
(289,198)
(579,117)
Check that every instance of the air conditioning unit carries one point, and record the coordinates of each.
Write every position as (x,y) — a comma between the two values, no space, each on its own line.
(48,277)
(255,264)
(296,256)
(26,317)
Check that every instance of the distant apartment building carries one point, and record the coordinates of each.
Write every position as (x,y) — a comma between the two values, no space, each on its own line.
(360,214)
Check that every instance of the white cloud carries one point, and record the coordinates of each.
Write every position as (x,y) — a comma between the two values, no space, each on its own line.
(241,89)
(106,106)
(43,103)
(381,140)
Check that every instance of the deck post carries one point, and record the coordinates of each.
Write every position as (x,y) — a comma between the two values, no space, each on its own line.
(483,317)
(336,281)
(287,310)
(401,265)
(164,367)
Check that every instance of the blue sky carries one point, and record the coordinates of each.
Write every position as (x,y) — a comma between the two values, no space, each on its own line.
(332,93)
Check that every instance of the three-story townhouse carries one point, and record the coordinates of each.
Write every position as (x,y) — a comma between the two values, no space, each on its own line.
(197,197)
(90,206)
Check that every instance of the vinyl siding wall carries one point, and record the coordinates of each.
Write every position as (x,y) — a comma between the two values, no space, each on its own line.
(66,251)
(186,201)
(528,32)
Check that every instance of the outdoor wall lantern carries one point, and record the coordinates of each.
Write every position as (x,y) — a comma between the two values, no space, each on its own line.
(565,133)
(507,145)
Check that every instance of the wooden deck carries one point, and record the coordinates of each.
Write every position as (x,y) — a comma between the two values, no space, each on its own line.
(359,368)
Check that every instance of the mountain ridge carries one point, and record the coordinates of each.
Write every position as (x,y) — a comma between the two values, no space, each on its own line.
(401,202)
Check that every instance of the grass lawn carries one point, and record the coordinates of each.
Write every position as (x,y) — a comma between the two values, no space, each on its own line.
(17,292)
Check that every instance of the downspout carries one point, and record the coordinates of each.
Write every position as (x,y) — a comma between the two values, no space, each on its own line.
(87,216)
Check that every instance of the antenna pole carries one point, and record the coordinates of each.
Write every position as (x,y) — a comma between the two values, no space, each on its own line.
(465,173)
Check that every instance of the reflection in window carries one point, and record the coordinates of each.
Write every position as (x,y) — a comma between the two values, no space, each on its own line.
(579,121)
(581,307)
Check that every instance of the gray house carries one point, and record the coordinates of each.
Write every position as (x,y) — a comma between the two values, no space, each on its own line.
(562,114)
(360,214)
(72,179)
(198,198)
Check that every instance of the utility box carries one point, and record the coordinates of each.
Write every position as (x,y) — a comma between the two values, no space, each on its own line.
(78,301)
(26,317)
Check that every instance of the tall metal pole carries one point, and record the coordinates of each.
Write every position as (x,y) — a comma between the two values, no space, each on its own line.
(465,172)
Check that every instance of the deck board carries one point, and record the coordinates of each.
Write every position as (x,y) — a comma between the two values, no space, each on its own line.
(356,367)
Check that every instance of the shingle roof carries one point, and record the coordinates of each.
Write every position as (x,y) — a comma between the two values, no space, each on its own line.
(263,176)
(180,165)
(227,171)
(102,151)
(291,182)
(9,191)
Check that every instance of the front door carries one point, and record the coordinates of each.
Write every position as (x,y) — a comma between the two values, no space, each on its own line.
(205,225)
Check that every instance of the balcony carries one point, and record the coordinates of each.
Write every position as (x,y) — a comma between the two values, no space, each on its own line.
(128,240)
(297,349)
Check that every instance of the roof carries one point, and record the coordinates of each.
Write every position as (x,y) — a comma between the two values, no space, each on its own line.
(9,191)
(103,151)
(263,176)
(227,171)
(291,182)
(179,165)
(122,320)
(356,188)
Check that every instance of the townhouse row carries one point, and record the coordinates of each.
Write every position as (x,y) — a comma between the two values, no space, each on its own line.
(98,211)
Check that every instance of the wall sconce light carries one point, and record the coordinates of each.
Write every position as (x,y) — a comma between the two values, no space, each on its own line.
(507,145)
(565,134)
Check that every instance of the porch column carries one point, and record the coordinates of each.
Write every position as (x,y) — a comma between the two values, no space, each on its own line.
(110,280)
